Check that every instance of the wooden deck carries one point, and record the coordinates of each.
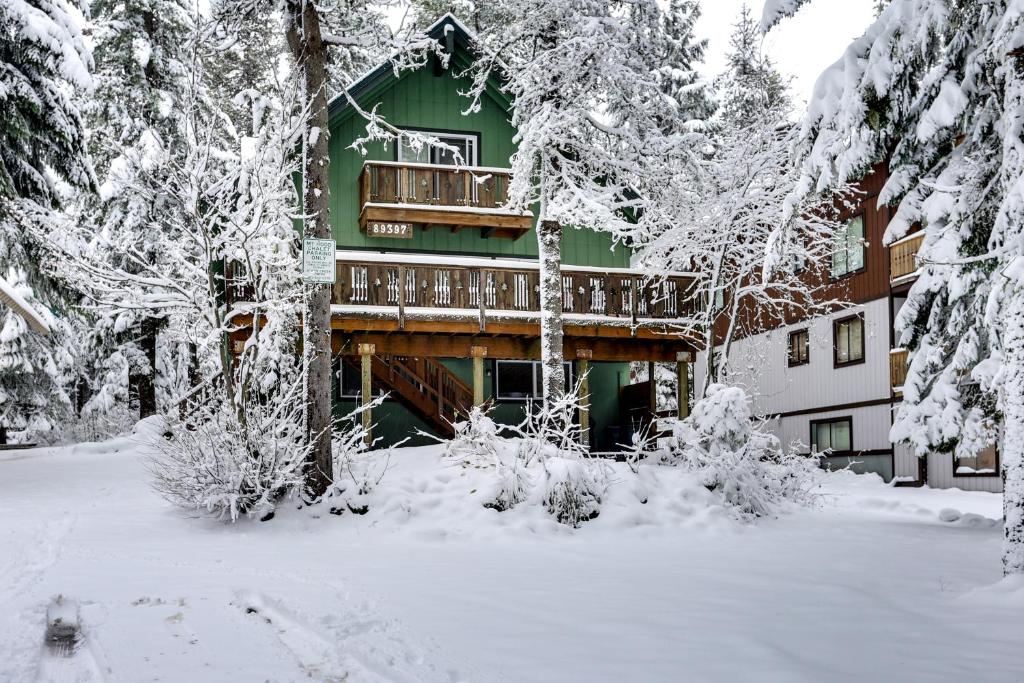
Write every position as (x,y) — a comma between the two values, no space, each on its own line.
(428,196)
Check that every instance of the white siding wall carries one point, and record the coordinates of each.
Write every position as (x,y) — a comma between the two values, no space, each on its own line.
(940,476)
(759,364)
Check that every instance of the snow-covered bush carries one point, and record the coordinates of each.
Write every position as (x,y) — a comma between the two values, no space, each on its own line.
(512,486)
(573,489)
(356,471)
(723,444)
(550,428)
(476,438)
(234,462)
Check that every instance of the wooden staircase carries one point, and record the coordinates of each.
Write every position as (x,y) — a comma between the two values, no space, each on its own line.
(425,387)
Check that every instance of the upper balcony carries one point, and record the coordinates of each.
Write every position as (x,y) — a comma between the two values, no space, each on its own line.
(903,263)
(396,197)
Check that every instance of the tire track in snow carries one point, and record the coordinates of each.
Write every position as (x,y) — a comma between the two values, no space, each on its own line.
(342,647)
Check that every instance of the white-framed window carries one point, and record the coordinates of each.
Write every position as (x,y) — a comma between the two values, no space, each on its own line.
(467,145)
(520,380)
(848,256)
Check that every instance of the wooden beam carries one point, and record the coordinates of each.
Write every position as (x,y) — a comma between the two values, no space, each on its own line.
(478,353)
(366,352)
(351,322)
(426,216)
(502,347)
(683,359)
(583,357)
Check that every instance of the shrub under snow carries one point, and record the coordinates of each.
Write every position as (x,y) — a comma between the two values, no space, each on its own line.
(726,447)
(233,463)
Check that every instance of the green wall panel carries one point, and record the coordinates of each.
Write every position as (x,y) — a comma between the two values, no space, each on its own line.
(419,99)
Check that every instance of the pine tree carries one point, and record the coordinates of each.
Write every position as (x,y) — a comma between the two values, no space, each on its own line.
(681,53)
(142,55)
(43,57)
(752,88)
(935,88)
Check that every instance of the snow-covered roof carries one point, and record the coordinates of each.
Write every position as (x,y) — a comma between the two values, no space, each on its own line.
(16,303)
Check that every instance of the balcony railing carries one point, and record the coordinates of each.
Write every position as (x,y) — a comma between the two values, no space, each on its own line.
(898,365)
(473,287)
(903,256)
(428,194)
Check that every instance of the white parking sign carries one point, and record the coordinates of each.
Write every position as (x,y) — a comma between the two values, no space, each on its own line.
(318,261)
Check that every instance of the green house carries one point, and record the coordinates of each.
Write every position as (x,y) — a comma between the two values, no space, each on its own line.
(437,293)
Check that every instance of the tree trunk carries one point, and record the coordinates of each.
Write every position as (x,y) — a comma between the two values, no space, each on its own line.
(142,379)
(310,55)
(1013,438)
(549,242)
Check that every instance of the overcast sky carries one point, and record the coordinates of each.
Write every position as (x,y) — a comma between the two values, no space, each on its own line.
(801,46)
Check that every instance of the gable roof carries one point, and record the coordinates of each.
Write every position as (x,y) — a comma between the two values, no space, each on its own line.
(456,38)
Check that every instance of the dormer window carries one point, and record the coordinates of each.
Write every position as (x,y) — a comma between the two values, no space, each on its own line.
(467,145)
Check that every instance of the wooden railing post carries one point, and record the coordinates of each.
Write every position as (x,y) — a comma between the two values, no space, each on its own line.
(632,299)
(481,294)
(401,297)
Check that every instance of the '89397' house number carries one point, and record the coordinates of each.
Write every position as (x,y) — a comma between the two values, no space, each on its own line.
(399,230)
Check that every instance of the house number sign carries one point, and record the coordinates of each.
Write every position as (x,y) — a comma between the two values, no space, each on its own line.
(396,230)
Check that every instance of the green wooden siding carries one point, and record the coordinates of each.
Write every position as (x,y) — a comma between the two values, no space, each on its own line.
(419,99)
(394,423)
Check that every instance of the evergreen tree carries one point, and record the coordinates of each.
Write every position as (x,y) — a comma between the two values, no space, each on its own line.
(681,53)
(143,53)
(43,56)
(935,88)
(751,88)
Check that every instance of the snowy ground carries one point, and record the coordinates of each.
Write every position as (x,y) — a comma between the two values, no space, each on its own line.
(872,585)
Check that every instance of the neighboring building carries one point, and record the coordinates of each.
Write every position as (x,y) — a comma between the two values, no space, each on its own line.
(437,294)
(834,381)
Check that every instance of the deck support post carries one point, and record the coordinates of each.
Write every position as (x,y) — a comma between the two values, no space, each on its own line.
(366,352)
(683,360)
(583,357)
(478,354)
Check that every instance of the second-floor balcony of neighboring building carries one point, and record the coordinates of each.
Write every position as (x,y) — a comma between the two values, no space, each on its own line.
(903,262)
(397,197)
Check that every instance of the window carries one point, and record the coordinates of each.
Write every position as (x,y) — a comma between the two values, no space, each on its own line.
(848,256)
(985,463)
(466,144)
(835,435)
(798,348)
(848,340)
(518,380)
(350,381)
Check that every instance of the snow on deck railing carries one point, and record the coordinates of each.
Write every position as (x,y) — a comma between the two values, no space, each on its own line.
(502,287)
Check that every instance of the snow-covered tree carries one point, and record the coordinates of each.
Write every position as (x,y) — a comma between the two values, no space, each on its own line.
(751,89)
(586,106)
(732,453)
(681,54)
(935,89)
(43,59)
(718,211)
(143,54)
